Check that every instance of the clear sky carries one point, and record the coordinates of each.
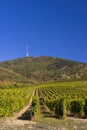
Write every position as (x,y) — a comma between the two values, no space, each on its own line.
(50,28)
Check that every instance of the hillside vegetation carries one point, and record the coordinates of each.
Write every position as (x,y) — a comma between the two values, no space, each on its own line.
(11,76)
(41,69)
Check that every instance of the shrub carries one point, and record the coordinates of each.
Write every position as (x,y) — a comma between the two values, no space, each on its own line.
(35,106)
(60,108)
(85,108)
(76,108)
(51,104)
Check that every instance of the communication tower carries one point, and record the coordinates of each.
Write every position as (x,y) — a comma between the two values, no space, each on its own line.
(27,51)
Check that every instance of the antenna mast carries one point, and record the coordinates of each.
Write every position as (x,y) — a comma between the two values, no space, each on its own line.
(27,51)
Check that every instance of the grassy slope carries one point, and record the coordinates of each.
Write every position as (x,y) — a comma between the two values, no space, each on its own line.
(8,75)
(44,69)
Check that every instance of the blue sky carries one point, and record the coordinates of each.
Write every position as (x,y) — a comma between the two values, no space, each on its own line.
(50,28)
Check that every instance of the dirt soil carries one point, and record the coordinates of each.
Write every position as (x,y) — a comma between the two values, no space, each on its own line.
(44,124)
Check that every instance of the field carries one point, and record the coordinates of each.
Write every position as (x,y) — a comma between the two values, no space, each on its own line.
(61,105)
(13,98)
(65,98)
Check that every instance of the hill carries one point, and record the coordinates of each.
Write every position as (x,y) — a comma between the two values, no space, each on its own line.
(42,69)
(8,75)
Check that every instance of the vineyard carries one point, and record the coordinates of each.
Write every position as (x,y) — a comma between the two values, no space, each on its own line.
(14,99)
(65,98)
(62,98)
